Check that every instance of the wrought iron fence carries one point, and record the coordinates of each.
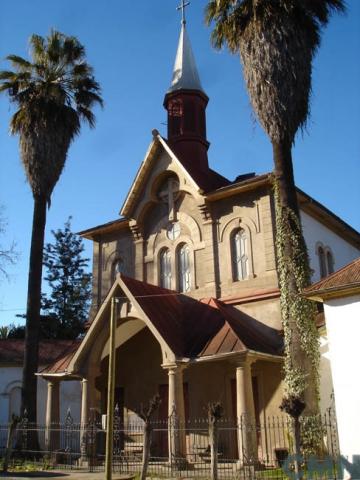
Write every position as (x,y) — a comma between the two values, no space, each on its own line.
(246,450)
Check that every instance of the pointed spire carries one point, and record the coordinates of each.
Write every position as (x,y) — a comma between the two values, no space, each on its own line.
(185,74)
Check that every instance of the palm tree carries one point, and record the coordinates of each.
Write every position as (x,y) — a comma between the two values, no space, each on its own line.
(53,93)
(277,41)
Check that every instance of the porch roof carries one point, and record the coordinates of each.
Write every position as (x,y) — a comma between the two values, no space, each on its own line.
(191,328)
(342,283)
(238,334)
(62,362)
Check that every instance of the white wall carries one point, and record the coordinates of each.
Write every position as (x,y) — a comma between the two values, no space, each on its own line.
(314,231)
(70,395)
(326,382)
(343,328)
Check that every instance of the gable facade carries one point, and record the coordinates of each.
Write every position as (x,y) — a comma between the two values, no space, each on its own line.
(191,264)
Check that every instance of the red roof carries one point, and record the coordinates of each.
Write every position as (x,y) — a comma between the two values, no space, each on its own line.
(12,350)
(63,360)
(193,328)
(241,333)
(340,282)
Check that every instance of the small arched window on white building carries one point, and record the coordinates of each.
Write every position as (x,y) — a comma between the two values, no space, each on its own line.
(14,401)
(329,262)
(165,268)
(240,254)
(184,268)
(322,264)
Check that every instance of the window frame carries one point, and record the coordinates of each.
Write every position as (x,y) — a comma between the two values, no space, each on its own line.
(238,255)
(180,274)
(167,283)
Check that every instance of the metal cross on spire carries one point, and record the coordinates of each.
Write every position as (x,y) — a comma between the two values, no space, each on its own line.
(182,7)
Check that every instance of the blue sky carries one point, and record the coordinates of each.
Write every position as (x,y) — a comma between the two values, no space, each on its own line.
(132,46)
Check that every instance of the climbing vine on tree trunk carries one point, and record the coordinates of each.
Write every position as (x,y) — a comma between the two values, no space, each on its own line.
(302,357)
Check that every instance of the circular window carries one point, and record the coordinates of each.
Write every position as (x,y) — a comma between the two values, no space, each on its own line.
(173,231)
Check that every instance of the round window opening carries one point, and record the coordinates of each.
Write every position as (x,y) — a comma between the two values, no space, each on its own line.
(173,231)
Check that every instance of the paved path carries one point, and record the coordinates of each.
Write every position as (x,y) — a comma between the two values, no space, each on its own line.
(62,475)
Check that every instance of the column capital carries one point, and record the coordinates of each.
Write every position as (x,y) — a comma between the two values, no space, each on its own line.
(52,381)
(174,367)
(244,361)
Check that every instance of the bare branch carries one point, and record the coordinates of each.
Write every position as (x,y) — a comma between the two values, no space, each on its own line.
(8,254)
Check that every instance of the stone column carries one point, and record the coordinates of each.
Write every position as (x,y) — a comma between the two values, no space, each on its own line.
(93,394)
(176,413)
(52,416)
(84,417)
(245,412)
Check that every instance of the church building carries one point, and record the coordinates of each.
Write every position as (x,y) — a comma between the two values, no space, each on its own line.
(191,263)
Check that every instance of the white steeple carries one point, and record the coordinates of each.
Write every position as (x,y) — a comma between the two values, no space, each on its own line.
(185,74)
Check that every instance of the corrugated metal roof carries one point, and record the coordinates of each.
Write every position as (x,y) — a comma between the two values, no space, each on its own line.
(346,277)
(64,359)
(192,328)
(239,334)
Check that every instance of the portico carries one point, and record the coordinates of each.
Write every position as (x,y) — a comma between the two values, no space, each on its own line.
(155,353)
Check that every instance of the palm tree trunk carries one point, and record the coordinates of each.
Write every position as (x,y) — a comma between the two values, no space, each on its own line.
(284,175)
(287,202)
(29,385)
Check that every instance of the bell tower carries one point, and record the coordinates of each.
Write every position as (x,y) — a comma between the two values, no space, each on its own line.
(186,102)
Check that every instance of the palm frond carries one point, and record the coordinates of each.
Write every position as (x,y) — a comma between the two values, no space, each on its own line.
(81,70)
(7,75)
(277,41)
(54,94)
(73,50)
(5,86)
(19,63)
(87,115)
(322,10)
(37,44)
(54,46)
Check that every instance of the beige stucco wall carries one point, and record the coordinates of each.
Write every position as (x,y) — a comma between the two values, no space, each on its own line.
(266,312)
(207,234)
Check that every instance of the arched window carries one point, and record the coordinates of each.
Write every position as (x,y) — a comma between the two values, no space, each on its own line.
(322,264)
(14,401)
(165,268)
(184,269)
(239,254)
(175,113)
(329,262)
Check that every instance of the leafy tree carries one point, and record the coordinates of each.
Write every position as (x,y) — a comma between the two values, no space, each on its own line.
(53,93)
(49,326)
(68,303)
(8,254)
(277,41)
